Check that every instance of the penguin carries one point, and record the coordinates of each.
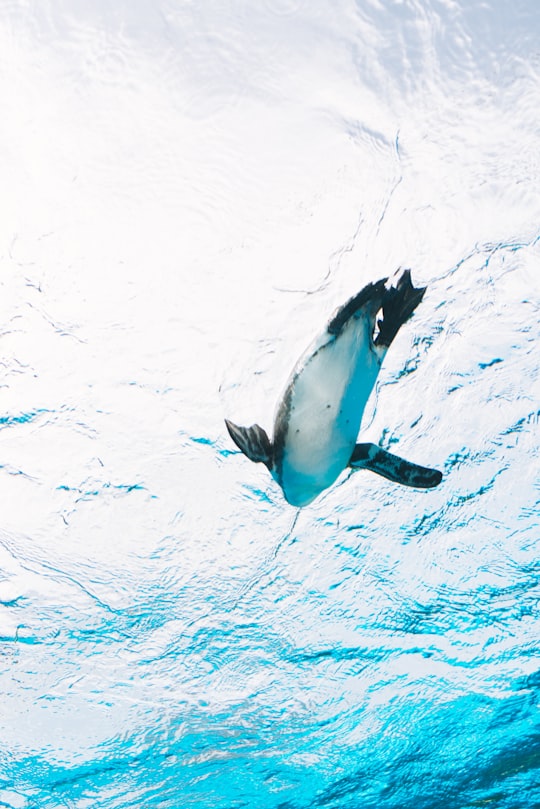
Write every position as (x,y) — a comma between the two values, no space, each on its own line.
(318,417)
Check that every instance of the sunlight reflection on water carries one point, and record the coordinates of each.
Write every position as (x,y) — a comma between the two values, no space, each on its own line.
(189,191)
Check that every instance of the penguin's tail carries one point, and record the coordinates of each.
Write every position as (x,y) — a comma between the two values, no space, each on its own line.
(399,302)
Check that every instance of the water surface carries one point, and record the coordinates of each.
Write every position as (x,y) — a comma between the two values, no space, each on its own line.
(189,190)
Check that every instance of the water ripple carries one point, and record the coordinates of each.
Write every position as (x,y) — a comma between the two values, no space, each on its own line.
(193,188)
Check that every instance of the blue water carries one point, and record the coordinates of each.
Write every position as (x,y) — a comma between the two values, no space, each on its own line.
(189,190)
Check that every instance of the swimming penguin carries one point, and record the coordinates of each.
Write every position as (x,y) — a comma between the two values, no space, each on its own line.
(318,418)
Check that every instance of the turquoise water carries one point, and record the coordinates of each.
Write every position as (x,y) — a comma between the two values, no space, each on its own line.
(189,190)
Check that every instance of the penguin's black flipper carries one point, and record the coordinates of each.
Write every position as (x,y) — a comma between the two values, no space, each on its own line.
(253,442)
(378,460)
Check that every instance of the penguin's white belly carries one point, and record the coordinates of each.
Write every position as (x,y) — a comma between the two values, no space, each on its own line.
(327,400)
